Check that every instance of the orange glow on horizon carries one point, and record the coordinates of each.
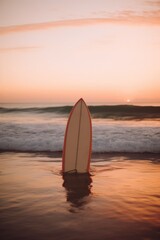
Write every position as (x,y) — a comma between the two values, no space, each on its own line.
(107,56)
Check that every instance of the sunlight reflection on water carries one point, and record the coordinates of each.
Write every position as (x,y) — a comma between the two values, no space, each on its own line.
(119,198)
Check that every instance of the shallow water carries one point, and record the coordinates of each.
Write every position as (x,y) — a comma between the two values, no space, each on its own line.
(119,200)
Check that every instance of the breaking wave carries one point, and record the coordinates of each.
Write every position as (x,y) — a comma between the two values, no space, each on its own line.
(107,111)
(109,137)
(37,129)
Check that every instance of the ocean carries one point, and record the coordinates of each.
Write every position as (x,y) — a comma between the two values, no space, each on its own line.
(116,128)
(118,199)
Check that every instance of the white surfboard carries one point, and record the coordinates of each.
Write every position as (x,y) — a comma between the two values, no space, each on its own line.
(78,140)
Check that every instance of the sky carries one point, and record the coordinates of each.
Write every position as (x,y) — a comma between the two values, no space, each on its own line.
(61,50)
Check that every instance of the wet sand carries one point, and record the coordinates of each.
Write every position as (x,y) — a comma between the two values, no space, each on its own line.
(119,200)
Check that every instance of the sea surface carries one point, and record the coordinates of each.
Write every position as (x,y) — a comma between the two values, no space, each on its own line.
(116,128)
(119,199)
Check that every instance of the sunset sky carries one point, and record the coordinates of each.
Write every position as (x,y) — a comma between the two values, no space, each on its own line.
(60,50)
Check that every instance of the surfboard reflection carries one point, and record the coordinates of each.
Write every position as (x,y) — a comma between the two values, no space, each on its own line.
(78,188)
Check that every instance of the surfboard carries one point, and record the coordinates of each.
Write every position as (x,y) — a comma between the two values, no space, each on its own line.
(78,140)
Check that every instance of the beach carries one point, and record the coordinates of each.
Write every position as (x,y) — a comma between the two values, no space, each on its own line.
(120,199)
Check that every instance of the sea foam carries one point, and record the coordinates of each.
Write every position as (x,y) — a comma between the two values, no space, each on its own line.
(108,136)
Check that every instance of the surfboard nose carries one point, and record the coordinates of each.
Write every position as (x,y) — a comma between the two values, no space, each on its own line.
(81,100)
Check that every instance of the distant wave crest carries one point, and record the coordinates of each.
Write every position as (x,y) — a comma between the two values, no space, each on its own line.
(106,111)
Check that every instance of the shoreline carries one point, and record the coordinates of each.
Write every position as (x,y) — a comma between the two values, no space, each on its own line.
(58,154)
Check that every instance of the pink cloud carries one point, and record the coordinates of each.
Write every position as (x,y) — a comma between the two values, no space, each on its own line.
(123,17)
(153,3)
(18,49)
